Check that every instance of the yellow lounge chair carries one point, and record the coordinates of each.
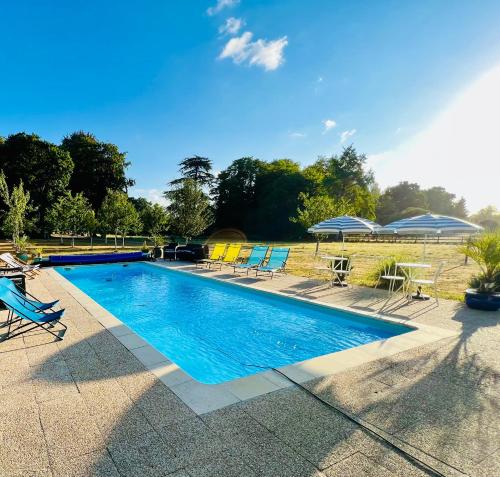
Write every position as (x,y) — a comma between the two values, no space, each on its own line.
(232,253)
(218,252)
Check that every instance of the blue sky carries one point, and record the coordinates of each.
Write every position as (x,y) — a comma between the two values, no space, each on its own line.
(272,79)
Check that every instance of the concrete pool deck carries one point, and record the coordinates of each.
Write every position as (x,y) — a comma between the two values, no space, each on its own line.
(89,406)
(203,398)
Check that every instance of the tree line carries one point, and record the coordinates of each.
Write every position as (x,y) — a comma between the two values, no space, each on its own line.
(80,186)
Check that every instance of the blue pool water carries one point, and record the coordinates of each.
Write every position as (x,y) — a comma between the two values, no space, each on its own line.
(215,331)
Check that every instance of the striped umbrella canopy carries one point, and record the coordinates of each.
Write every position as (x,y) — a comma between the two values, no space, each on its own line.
(345,224)
(430,224)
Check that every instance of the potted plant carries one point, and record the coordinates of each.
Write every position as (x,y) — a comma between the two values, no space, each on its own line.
(484,293)
(22,246)
(145,248)
(158,242)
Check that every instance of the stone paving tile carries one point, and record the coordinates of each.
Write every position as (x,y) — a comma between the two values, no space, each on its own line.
(225,464)
(192,440)
(47,472)
(17,398)
(268,456)
(12,344)
(53,381)
(357,465)
(23,450)
(233,421)
(43,353)
(395,462)
(13,359)
(114,413)
(457,443)
(146,456)
(162,407)
(14,376)
(488,466)
(322,445)
(134,379)
(273,410)
(95,464)
(108,348)
(350,393)
(69,429)
(75,348)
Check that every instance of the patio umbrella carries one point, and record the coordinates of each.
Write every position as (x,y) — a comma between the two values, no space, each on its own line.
(345,224)
(430,224)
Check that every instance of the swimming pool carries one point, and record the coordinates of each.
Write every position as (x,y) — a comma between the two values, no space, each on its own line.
(217,331)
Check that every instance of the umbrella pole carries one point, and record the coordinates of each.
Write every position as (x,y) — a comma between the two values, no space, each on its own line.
(468,245)
(425,247)
(317,246)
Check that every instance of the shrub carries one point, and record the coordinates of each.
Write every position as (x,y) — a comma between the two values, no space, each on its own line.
(387,265)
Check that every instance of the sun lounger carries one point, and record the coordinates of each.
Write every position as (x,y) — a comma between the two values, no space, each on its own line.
(276,263)
(27,299)
(14,263)
(26,318)
(217,254)
(230,257)
(256,259)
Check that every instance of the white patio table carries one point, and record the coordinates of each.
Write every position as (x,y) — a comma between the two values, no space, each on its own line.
(409,270)
(338,269)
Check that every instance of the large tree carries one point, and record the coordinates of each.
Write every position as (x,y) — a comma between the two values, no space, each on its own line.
(345,171)
(277,188)
(155,219)
(44,168)
(72,215)
(99,167)
(488,217)
(440,201)
(189,209)
(17,201)
(235,194)
(316,208)
(118,215)
(395,200)
(197,168)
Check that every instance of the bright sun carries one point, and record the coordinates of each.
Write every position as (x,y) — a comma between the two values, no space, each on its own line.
(460,149)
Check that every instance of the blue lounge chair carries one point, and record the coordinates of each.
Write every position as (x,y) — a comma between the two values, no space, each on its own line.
(33,319)
(32,302)
(276,263)
(256,259)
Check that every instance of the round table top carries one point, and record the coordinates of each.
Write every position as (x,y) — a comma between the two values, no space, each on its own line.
(413,265)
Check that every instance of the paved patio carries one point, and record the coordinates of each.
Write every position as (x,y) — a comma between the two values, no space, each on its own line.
(87,406)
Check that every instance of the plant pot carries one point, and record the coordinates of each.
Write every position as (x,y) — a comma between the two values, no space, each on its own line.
(23,256)
(482,301)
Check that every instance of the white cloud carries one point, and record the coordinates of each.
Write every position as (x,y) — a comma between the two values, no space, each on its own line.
(268,54)
(153,195)
(328,124)
(220,5)
(457,150)
(237,48)
(345,135)
(231,26)
(297,134)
